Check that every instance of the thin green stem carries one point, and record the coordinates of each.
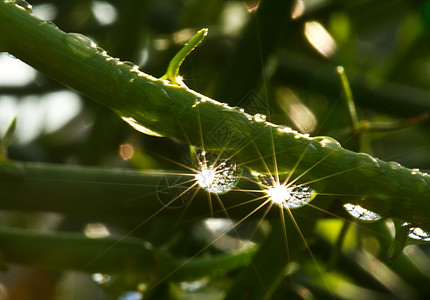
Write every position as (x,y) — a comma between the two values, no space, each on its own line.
(172,73)
(348,97)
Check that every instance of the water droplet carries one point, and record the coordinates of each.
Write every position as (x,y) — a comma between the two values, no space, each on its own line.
(23,5)
(139,127)
(216,175)
(284,195)
(367,164)
(328,142)
(259,118)
(417,233)
(81,45)
(361,213)
(395,165)
(133,67)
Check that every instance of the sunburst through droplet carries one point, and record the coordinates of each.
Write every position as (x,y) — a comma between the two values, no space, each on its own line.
(217,175)
(286,195)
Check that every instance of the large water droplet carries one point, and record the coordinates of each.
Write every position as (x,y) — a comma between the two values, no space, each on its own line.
(361,213)
(139,127)
(81,45)
(23,5)
(217,175)
(259,118)
(367,164)
(328,142)
(284,195)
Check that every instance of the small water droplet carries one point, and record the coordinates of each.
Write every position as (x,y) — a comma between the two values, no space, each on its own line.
(285,129)
(23,5)
(259,118)
(240,109)
(139,127)
(133,67)
(216,175)
(328,142)
(415,171)
(81,45)
(395,165)
(361,213)
(284,195)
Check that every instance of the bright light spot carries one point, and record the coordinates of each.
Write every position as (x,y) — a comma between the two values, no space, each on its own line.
(417,233)
(126,151)
(47,11)
(319,38)
(182,36)
(14,72)
(218,226)
(233,18)
(133,123)
(96,231)
(298,9)
(278,194)
(283,195)
(161,44)
(60,108)
(205,177)
(302,117)
(192,286)
(104,12)
(36,115)
(101,278)
(216,175)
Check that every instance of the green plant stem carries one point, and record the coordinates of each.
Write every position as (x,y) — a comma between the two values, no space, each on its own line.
(174,65)
(100,194)
(109,255)
(176,111)
(348,97)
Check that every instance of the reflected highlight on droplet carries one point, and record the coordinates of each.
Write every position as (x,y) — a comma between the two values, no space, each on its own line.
(133,123)
(361,213)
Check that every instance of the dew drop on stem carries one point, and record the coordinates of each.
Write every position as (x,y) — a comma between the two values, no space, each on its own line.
(81,45)
(328,142)
(284,195)
(361,213)
(259,118)
(216,175)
